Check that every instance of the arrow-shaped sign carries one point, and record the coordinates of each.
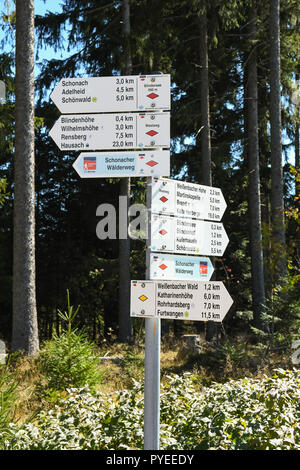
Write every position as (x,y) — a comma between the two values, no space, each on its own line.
(112,94)
(190,236)
(187,199)
(112,131)
(123,164)
(164,266)
(180,300)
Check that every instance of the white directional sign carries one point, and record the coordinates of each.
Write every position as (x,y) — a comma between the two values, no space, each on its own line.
(180,300)
(190,236)
(112,94)
(112,131)
(187,199)
(123,164)
(164,266)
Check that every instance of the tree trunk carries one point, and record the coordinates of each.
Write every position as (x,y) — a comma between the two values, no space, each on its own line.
(252,145)
(204,131)
(297,163)
(205,143)
(125,322)
(25,326)
(277,204)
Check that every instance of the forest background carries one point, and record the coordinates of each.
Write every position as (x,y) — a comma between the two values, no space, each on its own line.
(216,145)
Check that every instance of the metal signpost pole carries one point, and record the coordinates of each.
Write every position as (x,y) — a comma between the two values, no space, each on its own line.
(152,358)
(152,384)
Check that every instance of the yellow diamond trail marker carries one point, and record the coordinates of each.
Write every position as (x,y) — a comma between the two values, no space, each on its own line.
(180,300)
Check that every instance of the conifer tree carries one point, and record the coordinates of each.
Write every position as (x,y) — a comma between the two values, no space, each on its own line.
(204,131)
(252,144)
(277,203)
(25,326)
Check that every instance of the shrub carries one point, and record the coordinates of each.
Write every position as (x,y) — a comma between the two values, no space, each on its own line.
(252,414)
(69,360)
(85,421)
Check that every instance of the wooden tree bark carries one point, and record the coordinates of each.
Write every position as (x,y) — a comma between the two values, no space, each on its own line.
(205,141)
(204,132)
(125,322)
(252,146)
(297,162)
(25,326)
(277,204)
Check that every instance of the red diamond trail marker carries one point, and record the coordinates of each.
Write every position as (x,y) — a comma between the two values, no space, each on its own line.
(121,164)
(112,94)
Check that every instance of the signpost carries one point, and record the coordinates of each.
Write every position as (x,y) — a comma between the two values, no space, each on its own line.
(180,300)
(128,130)
(164,266)
(121,164)
(190,236)
(112,94)
(173,197)
(112,131)
(129,115)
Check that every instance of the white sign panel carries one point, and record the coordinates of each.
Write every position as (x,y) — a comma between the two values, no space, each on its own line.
(187,199)
(164,266)
(187,236)
(112,94)
(112,131)
(180,300)
(123,164)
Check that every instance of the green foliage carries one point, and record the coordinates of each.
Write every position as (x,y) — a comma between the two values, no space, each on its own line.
(3,192)
(247,414)
(282,315)
(233,352)
(8,385)
(69,360)
(239,415)
(86,421)
(286,305)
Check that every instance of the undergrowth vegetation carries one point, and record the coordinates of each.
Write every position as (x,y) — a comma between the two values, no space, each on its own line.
(240,414)
(237,394)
